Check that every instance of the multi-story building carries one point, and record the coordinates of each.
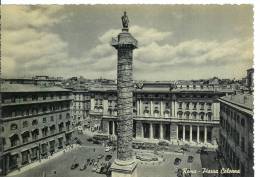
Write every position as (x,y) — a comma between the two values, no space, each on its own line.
(236,133)
(35,123)
(182,112)
(80,108)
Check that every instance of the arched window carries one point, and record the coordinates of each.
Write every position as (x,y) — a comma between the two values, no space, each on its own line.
(179,114)
(14,140)
(187,114)
(13,126)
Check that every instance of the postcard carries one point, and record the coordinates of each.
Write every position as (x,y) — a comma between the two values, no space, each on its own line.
(127,90)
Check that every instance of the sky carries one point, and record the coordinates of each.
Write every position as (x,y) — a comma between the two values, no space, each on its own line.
(176,42)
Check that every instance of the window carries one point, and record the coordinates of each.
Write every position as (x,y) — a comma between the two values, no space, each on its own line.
(13,126)
(25,124)
(180,105)
(14,140)
(187,105)
(34,122)
(194,105)
(44,120)
(44,131)
(60,116)
(25,137)
(52,119)
(243,122)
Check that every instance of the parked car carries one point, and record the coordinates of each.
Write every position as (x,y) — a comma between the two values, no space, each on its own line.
(190,159)
(179,151)
(74,166)
(177,161)
(108,148)
(163,143)
(83,167)
(108,157)
(100,156)
(179,172)
(89,139)
(202,150)
(96,142)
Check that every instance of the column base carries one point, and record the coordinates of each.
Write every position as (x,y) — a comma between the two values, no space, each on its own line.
(124,169)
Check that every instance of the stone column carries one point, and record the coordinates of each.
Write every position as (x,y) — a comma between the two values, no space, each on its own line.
(177,132)
(161,131)
(141,108)
(105,106)
(161,108)
(114,128)
(183,132)
(190,133)
(151,131)
(151,107)
(138,107)
(198,133)
(173,132)
(205,134)
(92,104)
(172,109)
(125,43)
(142,130)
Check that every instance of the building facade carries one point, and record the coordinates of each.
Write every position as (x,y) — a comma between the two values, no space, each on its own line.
(35,123)
(236,133)
(179,113)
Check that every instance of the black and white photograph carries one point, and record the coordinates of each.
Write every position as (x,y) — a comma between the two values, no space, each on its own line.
(127,90)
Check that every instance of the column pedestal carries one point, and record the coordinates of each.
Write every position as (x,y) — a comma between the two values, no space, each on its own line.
(123,169)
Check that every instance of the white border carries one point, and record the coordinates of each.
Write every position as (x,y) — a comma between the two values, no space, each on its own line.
(256,42)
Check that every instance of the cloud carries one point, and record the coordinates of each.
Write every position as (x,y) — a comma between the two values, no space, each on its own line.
(30,47)
(143,35)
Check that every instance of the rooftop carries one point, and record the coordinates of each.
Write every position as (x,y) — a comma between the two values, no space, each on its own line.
(6,87)
(240,101)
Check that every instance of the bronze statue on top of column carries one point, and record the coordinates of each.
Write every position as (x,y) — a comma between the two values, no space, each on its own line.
(125,21)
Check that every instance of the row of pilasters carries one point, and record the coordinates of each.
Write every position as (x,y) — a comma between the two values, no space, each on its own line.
(188,133)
